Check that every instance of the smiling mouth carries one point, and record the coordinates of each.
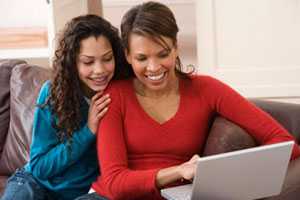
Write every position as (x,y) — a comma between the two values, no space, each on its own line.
(156,77)
(100,80)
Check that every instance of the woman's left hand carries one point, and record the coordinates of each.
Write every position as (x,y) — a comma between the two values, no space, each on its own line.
(188,169)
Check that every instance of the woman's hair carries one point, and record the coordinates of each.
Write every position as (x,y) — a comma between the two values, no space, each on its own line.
(153,20)
(65,94)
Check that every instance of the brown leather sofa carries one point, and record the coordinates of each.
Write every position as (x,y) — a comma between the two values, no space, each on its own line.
(19,87)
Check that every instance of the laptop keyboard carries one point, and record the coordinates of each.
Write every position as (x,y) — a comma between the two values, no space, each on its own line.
(183,192)
(183,197)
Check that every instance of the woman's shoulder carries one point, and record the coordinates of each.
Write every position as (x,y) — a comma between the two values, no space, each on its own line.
(118,85)
(204,81)
(209,85)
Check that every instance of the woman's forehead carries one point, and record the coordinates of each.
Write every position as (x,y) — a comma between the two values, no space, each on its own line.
(143,41)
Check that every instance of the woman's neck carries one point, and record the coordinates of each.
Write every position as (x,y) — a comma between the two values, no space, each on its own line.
(171,89)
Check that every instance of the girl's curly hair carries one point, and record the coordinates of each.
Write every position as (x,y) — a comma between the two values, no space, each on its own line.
(65,94)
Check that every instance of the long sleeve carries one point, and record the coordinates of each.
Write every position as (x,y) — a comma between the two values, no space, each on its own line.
(48,156)
(117,180)
(236,108)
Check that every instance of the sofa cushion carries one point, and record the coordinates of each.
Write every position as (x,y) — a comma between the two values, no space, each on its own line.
(5,72)
(25,84)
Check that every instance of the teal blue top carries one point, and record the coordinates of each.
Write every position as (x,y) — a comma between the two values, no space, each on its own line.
(66,174)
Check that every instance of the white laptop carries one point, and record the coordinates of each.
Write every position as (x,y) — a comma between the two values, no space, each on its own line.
(240,175)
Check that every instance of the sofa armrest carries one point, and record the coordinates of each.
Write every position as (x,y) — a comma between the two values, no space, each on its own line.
(6,67)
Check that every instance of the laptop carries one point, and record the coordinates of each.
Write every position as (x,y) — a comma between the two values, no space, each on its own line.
(240,175)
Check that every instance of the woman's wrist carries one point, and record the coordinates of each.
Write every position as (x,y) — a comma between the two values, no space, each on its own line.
(168,175)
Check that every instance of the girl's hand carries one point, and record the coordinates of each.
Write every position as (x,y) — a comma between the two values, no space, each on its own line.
(98,108)
(188,169)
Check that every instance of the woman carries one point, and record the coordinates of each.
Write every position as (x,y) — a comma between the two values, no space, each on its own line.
(159,119)
(63,161)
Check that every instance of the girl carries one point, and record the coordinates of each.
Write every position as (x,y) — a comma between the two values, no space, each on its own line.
(63,161)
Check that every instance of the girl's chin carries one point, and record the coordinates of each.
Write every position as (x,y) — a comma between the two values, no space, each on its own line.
(98,88)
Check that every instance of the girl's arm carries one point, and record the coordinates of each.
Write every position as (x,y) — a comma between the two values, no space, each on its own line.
(48,156)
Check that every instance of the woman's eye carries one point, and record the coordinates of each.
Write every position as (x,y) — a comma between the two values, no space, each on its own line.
(163,55)
(140,58)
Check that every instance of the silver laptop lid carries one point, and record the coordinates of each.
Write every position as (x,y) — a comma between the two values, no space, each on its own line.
(242,175)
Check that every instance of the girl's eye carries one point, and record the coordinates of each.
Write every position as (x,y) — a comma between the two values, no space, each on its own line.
(107,59)
(88,63)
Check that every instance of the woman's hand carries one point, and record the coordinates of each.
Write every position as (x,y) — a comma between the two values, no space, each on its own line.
(171,174)
(188,169)
(98,108)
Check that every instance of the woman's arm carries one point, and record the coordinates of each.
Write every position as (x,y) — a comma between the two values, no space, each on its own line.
(185,171)
(239,110)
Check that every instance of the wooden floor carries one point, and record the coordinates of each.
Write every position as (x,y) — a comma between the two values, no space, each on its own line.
(20,38)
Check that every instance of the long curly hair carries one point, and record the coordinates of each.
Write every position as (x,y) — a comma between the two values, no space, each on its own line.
(65,94)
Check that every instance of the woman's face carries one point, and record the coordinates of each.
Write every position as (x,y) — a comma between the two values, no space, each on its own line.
(153,65)
(95,64)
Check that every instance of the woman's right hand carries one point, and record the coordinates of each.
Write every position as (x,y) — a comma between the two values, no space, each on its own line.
(98,108)
(188,169)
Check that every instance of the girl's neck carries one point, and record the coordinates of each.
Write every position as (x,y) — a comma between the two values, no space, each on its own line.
(87,92)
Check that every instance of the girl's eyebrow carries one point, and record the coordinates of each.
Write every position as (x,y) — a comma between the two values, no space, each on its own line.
(106,53)
(86,56)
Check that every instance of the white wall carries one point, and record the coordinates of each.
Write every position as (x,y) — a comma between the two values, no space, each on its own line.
(24,13)
(252,45)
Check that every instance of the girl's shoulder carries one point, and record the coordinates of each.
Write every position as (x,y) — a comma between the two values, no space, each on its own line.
(44,92)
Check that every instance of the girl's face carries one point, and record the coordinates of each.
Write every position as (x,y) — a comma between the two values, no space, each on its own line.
(95,64)
(153,65)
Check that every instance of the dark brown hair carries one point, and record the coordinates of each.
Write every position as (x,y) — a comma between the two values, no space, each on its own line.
(65,94)
(154,20)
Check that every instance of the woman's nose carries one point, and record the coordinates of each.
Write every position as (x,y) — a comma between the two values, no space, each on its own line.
(153,65)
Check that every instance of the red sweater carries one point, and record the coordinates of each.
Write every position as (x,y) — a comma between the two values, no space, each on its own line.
(132,146)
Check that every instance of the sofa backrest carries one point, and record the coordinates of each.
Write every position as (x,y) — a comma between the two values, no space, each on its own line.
(25,83)
(287,114)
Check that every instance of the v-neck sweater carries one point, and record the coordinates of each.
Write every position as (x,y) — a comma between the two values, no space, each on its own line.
(132,147)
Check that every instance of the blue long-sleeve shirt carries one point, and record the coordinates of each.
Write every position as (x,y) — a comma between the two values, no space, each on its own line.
(66,174)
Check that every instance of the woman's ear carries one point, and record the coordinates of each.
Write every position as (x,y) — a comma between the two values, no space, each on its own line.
(127,55)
